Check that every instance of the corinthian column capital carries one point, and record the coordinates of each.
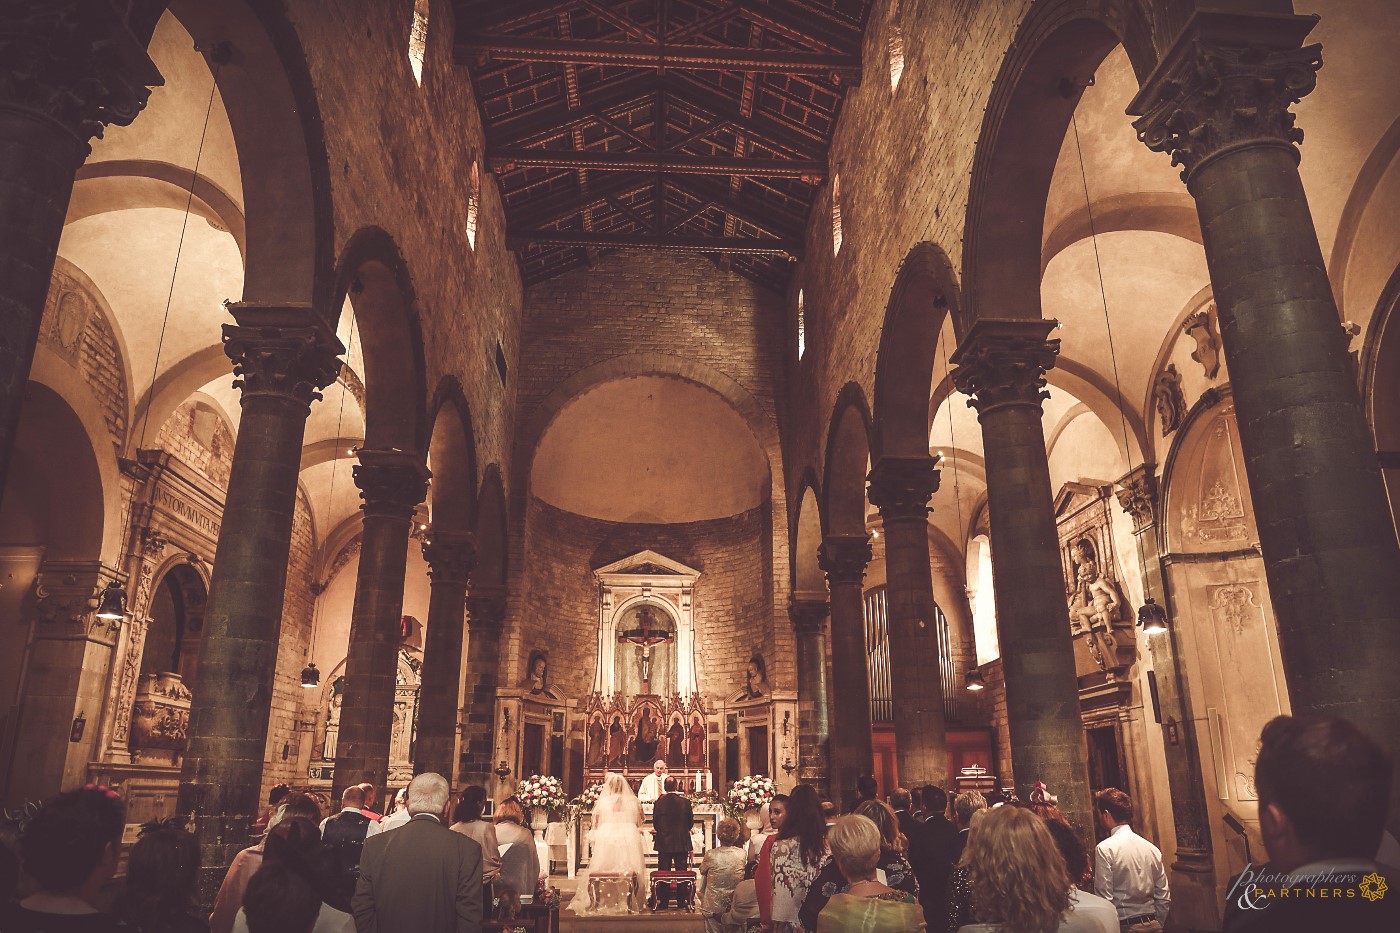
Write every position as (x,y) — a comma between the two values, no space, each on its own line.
(451,556)
(900,487)
(843,558)
(1227,84)
(1004,362)
(808,615)
(392,482)
(286,352)
(486,609)
(1138,494)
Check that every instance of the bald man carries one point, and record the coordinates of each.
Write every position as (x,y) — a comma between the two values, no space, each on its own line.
(653,784)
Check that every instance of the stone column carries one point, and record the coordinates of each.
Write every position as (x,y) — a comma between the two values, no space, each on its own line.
(73,68)
(486,609)
(450,557)
(282,357)
(1001,365)
(1219,104)
(392,484)
(813,729)
(900,488)
(843,558)
(1194,904)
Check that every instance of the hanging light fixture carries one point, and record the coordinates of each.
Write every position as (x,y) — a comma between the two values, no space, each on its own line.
(310,677)
(111,602)
(973,681)
(1152,618)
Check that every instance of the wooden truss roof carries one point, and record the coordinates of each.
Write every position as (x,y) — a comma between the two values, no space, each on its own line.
(684,125)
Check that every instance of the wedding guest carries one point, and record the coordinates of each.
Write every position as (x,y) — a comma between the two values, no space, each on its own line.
(1081,902)
(721,870)
(892,867)
(162,873)
(247,862)
(70,850)
(959,894)
(291,862)
(466,819)
(521,872)
(866,905)
(794,859)
(770,819)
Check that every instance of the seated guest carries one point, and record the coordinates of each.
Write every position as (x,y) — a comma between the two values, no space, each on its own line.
(162,873)
(293,850)
(742,915)
(892,868)
(247,862)
(522,871)
(1324,791)
(1081,902)
(866,905)
(1018,878)
(466,819)
(721,870)
(70,850)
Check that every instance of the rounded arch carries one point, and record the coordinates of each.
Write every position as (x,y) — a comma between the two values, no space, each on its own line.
(1058,44)
(452,453)
(124,184)
(924,295)
(372,274)
(272,109)
(808,581)
(492,531)
(179,592)
(847,462)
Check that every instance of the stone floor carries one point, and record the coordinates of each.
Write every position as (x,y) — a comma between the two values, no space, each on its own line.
(665,922)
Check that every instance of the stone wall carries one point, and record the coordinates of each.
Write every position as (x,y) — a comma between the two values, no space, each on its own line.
(200,437)
(559,594)
(298,614)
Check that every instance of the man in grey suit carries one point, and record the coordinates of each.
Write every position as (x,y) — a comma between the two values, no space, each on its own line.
(422,877)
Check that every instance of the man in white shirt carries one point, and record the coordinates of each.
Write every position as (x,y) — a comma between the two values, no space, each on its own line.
(400,815)
(652,783)
(1127,868)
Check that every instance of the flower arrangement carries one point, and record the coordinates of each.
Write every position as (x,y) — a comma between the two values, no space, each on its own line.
(543,792)
(584,802)
(751,792)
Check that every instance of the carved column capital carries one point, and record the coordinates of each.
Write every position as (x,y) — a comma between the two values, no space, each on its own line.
(486,609)
(1004,362)
(392,482)
(1138,493)
(900,487)
(281,352)
(75,63)
(843,558)
(1227,84)
(451,556)
(808,615)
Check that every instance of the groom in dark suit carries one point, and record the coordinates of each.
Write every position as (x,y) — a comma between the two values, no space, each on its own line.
(671,819)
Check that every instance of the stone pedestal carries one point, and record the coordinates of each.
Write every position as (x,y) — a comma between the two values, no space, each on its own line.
(843,558)
(813,729)
(282,357)
(1219,103)
(450,558)
(900,488)
(392,484)
(486,610)
(1001,365)
(76,68)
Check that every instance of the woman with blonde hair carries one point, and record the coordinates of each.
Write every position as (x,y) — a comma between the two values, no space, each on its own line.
(721,870)
(867,905)
(891,869)
(1018,878)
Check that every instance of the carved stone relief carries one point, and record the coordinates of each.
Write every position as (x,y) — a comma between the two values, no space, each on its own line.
(1100,618)
(1200,327)
(1216,515)
(1169,399)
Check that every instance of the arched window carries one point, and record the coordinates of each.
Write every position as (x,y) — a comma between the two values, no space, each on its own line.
(984,604)
(418,39)
(801,326)
(896,46)
(473,202)
(836,214)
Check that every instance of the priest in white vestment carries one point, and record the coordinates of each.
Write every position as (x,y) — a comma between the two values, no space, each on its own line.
(652,783)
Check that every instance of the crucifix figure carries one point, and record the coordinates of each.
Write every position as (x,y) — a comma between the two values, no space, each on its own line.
(644,637)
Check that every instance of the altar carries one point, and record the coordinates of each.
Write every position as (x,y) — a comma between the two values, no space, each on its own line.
(702,837)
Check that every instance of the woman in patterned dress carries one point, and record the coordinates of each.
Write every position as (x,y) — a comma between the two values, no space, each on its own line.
(867,905)
(795,857)
(892,868)
(721,870)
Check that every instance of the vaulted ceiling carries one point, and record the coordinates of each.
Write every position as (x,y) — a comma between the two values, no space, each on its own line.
(691,125)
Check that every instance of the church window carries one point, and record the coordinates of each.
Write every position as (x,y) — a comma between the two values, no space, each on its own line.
(473,202)
(801,326)
(896,46)
(418,39)
(984,606)
(836,214)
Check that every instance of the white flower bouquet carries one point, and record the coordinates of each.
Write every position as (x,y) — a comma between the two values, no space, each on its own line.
(543,792)
(751,792)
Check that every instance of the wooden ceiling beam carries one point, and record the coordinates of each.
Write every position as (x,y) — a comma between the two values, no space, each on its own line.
(493,14)
(659,56)
(518,239)
(510,159)
(551,209)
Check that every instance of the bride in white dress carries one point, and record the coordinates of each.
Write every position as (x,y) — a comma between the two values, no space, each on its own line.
(616,840)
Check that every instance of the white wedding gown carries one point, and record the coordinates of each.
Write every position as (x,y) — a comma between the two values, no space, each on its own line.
(616,841)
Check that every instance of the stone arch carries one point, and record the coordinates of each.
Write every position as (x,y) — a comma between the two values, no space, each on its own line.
(176,627)
(452,451)
(124,184)
(1380,385)
(925,292)
(1032,101)
(492,531)
(808,581)
(372,273)
(847,463)
(276,121)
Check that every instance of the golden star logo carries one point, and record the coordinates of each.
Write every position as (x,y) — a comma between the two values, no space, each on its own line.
(1373,887)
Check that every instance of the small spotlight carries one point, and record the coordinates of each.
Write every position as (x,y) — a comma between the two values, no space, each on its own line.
(974,682)
(111,602)
(310,677)
(1152,618)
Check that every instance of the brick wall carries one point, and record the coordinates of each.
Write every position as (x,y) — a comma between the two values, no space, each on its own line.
(559,594)
(297,616)
(200,437)
(703,322)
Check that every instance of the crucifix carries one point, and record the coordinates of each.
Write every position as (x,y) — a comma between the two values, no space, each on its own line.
(644,636)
